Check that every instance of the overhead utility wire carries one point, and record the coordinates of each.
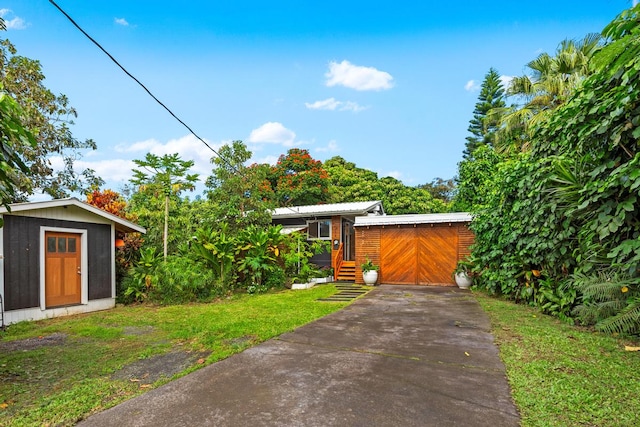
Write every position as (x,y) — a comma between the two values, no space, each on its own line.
(147,90)
(140,83)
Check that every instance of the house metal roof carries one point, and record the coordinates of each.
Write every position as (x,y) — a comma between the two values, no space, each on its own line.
(352,208)
(121,224)
(413,219)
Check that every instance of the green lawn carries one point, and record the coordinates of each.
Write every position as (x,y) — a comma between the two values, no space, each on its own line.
(563,375)
(63,383)
(560,375)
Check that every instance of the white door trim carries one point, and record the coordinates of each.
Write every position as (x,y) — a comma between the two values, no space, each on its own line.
(84,262)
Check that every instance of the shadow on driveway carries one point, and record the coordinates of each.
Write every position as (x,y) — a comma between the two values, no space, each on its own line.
(400,356)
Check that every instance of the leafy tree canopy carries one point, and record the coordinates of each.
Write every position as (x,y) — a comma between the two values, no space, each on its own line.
(350,183)
(48,117)
(239,195)
(298,179)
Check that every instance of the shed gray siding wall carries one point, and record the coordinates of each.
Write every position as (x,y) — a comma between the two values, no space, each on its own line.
(21,241)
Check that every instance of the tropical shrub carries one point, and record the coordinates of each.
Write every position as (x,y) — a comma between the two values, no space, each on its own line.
(568,207)
(142,277)
(296,255)
(610,300)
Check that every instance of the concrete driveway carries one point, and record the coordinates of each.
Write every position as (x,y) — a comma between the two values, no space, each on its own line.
(400,356)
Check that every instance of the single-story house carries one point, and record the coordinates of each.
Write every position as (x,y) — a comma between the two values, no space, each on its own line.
(333,223)
(409,249)
(57,258)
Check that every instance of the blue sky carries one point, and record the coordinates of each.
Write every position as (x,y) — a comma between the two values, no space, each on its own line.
(390,86)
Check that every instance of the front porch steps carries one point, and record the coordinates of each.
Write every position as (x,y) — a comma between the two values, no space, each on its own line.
(347,272)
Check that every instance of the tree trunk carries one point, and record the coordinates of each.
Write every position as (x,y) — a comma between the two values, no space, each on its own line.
(166,225)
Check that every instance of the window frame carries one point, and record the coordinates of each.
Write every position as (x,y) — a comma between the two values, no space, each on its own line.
(316,223)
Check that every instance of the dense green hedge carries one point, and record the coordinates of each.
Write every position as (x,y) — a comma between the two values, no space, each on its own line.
(560,226)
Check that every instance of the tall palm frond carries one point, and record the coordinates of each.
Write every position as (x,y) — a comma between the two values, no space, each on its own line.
(551,82)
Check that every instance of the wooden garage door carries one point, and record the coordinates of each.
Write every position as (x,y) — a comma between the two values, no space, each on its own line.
(437,254)
(424,255)
(398,259)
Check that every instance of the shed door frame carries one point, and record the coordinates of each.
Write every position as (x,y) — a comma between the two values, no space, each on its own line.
(84,262)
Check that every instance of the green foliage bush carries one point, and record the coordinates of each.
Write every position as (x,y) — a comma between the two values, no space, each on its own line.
(568,207)
(177,280)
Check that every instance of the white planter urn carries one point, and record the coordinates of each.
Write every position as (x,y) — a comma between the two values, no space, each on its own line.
(463,281)
(370,277)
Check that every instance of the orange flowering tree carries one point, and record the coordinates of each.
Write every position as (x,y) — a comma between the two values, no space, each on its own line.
(298,179)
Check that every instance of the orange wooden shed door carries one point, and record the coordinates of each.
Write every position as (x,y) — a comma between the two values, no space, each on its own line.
(62,269)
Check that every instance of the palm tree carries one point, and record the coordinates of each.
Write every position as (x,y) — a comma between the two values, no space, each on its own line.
(552,81)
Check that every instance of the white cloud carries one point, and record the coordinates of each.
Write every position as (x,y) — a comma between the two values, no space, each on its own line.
(113,170)
(15,23)
(188,147)
(121,21)
(146,145)
(471,86)
(357,77)
(333,104)
(273,132)
(393,174)
(506,81)
(331,147)
(327,104)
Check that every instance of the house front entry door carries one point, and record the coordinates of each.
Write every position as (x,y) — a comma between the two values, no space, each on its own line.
(62,269)
(349,239)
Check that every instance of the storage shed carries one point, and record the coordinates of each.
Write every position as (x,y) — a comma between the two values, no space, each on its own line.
(413,249)
(58,258)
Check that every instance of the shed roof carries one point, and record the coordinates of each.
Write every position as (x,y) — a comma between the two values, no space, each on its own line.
(413,219)
(120,223)
(352,208)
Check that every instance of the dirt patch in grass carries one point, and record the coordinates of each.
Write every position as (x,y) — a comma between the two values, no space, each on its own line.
(151,369)
(137,330)
(34,343)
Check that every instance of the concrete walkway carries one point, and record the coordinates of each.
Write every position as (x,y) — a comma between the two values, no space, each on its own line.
(400,356)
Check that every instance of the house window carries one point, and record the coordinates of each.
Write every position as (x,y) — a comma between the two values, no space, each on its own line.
(319,230)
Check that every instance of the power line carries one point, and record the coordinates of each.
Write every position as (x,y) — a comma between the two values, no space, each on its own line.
(147,90)
(140,84)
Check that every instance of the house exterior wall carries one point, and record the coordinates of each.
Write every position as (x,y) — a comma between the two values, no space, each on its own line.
(21,251)
(367,245)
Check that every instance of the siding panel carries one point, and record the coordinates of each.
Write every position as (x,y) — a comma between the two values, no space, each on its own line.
(22,259)
(367,245)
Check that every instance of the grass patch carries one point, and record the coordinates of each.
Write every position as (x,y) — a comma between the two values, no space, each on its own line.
(61,381)
(562,375)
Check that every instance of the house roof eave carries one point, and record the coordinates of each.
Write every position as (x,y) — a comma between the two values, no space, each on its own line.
(121,224)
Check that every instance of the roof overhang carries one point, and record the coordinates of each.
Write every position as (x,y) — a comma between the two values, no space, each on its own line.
(288,229)
(439,218)
(121,224)
(311,211)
